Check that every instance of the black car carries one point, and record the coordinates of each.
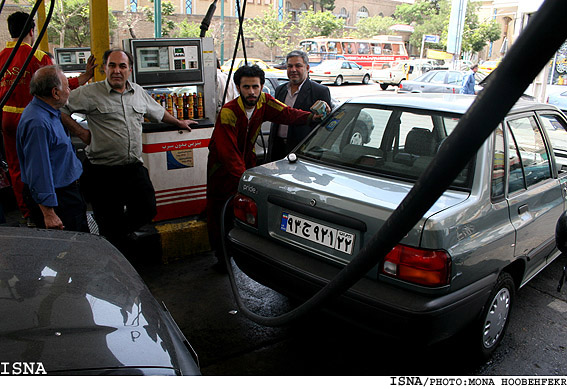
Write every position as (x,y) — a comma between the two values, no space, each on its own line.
(71,304)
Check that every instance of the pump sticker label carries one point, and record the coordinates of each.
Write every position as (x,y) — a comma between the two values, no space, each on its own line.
(179,159)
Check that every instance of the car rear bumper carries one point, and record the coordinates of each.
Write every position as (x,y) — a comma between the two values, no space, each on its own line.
(378,306)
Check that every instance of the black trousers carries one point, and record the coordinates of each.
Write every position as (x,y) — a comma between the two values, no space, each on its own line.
(71,208)
(122,197)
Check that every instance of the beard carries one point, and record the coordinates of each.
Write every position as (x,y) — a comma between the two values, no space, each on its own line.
(250,101)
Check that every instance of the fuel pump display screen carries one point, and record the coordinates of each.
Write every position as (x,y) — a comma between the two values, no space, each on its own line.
(167,61)
(72,59)
(151,59)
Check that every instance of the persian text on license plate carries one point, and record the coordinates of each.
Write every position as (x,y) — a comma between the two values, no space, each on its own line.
(327,236)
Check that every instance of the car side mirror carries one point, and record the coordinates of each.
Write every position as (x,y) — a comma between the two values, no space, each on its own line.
(561,233)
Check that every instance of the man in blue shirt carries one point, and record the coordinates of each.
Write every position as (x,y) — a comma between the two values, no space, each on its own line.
(467,88)
(50,169)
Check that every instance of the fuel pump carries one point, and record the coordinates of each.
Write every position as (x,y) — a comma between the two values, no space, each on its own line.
(72,60)
(180,74)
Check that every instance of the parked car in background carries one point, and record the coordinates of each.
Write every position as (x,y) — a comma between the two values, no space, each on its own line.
(392,76)
(71,304)
(339,72)
(488,66)
(239,62)
(438,81)
(559,99)
(299,221)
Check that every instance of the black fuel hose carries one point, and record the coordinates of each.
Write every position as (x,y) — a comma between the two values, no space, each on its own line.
(543,35)
(26,27)
(240,33)
(31,54)
(206,22)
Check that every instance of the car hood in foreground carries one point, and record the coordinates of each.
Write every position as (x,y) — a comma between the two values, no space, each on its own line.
(72,302)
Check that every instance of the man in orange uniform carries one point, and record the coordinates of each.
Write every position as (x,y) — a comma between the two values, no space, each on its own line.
(231,150)
(21,97)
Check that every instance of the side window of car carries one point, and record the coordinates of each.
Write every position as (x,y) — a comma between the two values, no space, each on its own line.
(269,88)
(345,65)
(556,129)
(438,78)
(498,166)
(528,157)
(454,78)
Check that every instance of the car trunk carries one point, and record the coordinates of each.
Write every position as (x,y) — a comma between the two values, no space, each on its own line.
(303,210)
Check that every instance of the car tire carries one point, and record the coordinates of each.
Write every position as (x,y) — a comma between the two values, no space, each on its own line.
(495,316)
(339,81)
(384,86)
(365,79)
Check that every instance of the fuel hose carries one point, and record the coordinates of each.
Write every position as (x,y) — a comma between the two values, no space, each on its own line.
(543,35)
(31,54)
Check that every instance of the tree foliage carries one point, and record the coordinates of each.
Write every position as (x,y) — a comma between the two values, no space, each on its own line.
(319,24)
(269,30)
(324,5)
(69,24)
(189,29)
(417,13)
(167,9)
(375,25)
(431,17)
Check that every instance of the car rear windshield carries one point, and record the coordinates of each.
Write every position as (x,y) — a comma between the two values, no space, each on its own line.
(384,141)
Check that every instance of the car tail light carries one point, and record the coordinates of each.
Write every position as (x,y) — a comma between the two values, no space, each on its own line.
(400,85)
(246,210)
(423,267)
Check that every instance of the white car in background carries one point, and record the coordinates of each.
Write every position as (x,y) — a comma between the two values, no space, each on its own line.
(339,72)
(392,76)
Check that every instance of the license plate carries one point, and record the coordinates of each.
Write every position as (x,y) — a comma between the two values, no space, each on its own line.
(327,236)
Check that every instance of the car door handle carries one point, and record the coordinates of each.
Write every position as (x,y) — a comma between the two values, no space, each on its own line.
(522,209)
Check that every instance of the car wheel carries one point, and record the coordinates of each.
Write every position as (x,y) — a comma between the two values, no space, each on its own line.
(384,86)
(496,315)
(339,81)
(365,79)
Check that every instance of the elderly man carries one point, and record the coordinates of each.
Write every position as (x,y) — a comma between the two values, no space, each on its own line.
(115,181)
(21,96)
(49,167)
(301,93)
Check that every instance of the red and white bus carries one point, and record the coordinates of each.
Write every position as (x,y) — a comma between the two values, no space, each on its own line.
(378,52)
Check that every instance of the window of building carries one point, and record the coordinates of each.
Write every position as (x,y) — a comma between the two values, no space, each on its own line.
(362,13)
(133,5)
(188,7)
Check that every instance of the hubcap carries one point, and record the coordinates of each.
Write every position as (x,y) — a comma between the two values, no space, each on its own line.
(496,318)
(356,139)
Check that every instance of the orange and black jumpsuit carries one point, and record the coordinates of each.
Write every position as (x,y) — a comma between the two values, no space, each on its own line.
(231,151)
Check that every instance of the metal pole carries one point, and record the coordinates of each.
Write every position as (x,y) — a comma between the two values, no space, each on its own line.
(100,35)
(44,44)
(222,32)
(157,18)
(422,45)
